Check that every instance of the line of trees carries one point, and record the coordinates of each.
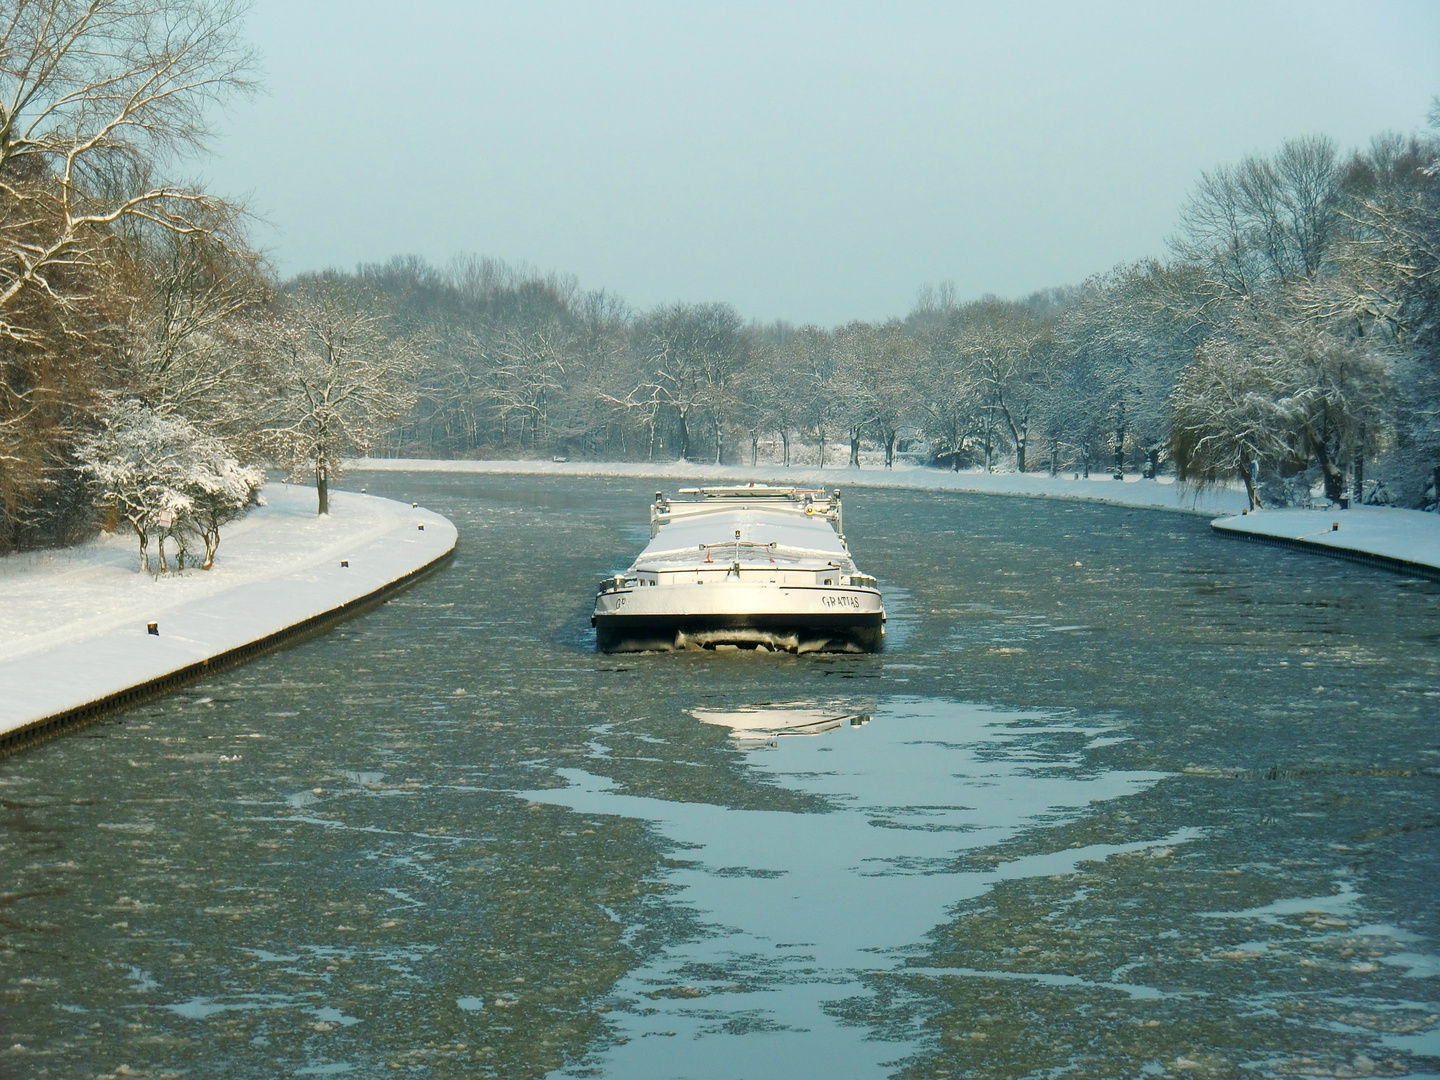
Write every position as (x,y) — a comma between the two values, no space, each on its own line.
(1289,343)
(151,364)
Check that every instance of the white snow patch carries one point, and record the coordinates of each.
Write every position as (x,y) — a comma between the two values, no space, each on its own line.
(1408,535)
(73,622)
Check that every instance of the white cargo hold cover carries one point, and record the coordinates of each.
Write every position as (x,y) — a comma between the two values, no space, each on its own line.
(791,532)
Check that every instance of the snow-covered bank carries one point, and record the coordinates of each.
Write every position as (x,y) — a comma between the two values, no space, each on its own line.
(73,622)
(1161,494)
(1406,540)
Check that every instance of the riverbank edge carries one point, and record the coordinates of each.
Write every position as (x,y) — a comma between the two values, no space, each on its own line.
(1017,485)
(32,732)
(1408,567)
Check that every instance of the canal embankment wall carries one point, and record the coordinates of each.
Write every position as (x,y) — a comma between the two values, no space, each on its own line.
(75,637)
(1405,541)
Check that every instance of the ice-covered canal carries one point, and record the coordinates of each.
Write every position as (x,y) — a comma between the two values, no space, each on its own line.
(1121,798)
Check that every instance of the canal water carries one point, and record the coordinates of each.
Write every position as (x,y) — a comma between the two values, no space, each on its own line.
(1119,798)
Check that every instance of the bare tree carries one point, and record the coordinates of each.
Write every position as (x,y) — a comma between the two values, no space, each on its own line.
(94,95)
(951,398)
(190,339)
(1005,343)
(692,354)
(1118,351)
(1264,222)
(97,99)
(815,367)
(879,367)
(340,380)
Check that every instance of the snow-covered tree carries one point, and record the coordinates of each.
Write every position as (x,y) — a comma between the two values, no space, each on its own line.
(1339,402)
(877,371)
(221,489)
(166,478)
(1118,352)
(341,379)
(1387,289)
(190,341)
(1227,423)
(1007,349)
(951,398)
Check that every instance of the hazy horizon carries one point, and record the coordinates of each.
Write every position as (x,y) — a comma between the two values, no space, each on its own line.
(814,163)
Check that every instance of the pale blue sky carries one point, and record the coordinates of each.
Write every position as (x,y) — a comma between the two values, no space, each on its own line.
(813,162)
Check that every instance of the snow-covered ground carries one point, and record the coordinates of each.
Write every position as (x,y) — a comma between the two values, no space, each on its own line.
(1132,491)
(1403,535)
(73,622)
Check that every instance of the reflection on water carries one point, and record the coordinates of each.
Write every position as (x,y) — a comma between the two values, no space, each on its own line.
(1188,832)
(767,722)
(793,905)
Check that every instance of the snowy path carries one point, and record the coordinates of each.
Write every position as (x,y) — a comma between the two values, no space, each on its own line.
(1162,494)
(1407,538)
(72,622)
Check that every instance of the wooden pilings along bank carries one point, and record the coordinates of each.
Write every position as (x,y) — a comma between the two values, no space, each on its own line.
(38,731)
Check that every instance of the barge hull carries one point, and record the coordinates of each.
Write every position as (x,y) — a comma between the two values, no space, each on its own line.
(811,633)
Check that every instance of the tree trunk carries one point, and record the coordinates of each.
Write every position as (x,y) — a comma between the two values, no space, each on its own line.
(1119,473)
(1334,483)
(855,448)
(1054,457)
(820,434)
(322,489)
(1359,469)
(754,448)
(889,449)
(144,539)
(1333,476)
(684,438)
(1248,475)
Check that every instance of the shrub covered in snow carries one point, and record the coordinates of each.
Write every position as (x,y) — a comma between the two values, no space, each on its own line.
(166,478)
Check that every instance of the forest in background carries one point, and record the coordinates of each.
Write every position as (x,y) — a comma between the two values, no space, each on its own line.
(152,366)
(1288,342)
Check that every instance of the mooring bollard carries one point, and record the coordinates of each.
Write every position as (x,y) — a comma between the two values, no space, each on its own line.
(344,562)
(420,527)
(414,506)
(152,628)
(1335,526)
